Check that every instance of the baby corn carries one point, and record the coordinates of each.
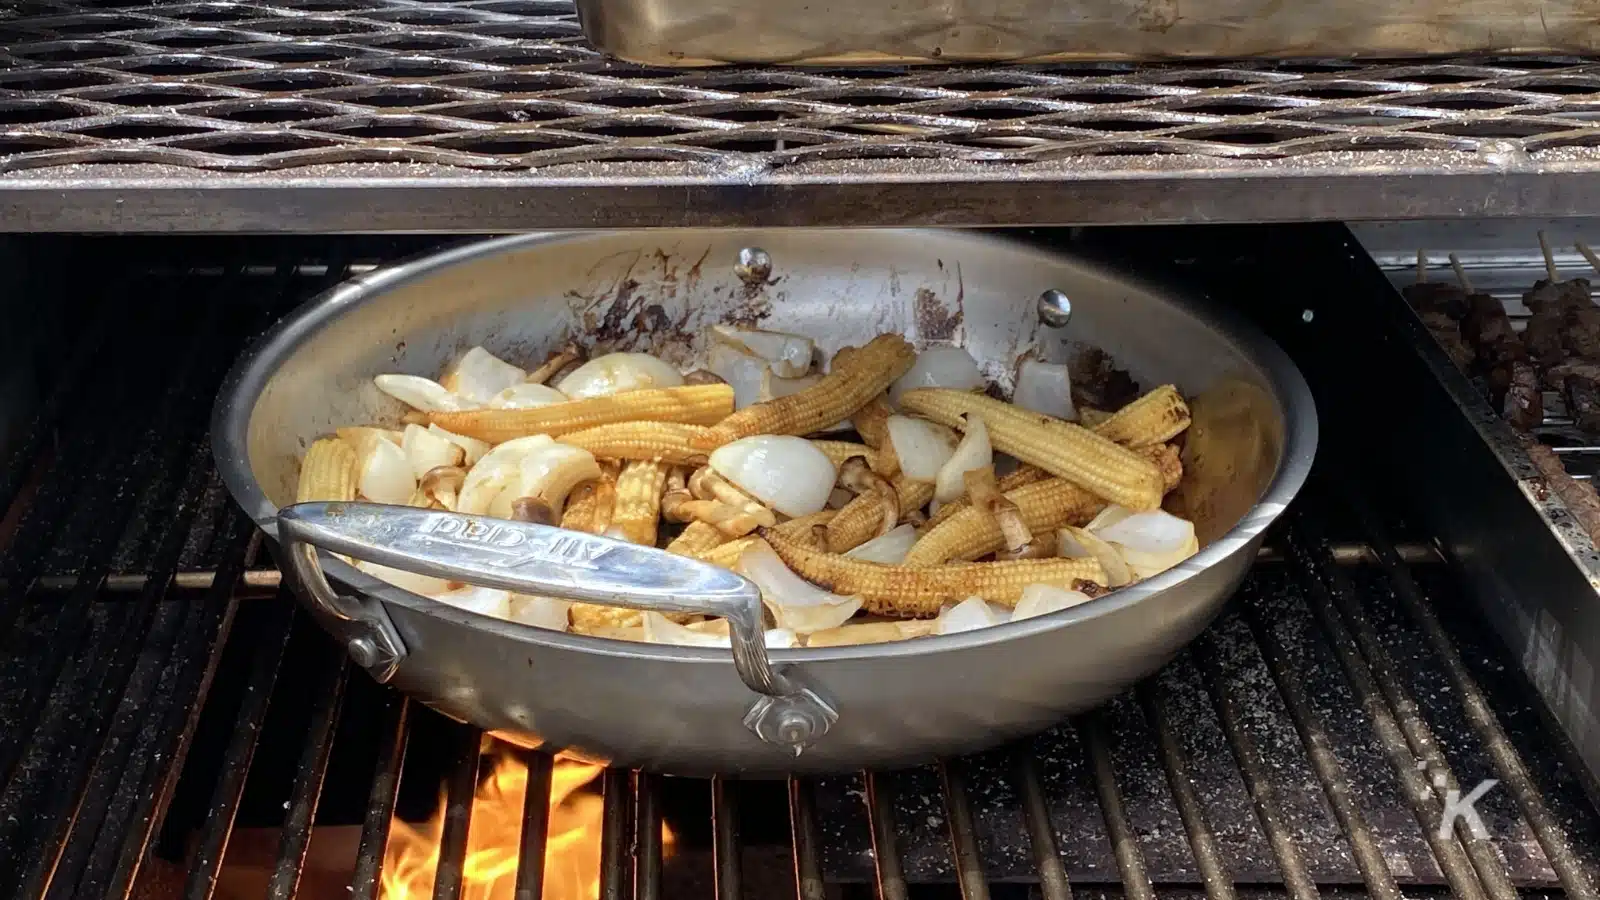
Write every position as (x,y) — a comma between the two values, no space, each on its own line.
(1061,448)
(727,555)
(638,509)
(919,593)
(328,472)
(800,528)
(971,532)
(872,421)
(579,514)
(1158,416)
(649,441)
(701,404)
(862,518)
(855,379)
(696,539)
(838,452)
(608,621)
(1024,475)
(605,498)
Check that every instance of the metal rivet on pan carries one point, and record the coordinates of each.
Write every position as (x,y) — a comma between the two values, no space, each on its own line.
(754,266)
(1055,310)
(364,651)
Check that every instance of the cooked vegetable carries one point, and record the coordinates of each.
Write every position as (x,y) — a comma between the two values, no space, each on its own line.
(328,472)
(420,393)
(526,396)
(616,373)
(974,452)
(920,446)
(857,376)
(1045,388)
(786,473)
(970,615)
(794,603)
(478,376)
(862,519)
(697,539)
(653,441)
(1105,468)
(638,508)
(889,549)
(1158,416)
(787,355)
(939,367)
(1043,599)
(1075,543)
(696,405)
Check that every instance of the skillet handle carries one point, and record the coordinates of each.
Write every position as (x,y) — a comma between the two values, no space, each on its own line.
(537,559)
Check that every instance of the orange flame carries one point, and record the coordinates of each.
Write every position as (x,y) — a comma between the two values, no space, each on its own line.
(572,850)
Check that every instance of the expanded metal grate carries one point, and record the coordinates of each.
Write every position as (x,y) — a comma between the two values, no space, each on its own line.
(510,84)
(141,97)
(163,712)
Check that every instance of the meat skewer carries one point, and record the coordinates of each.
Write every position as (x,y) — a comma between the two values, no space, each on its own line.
(1441,306)
(1577,377)
(1514,387)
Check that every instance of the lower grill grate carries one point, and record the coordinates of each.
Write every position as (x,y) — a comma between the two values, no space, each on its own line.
(167,707)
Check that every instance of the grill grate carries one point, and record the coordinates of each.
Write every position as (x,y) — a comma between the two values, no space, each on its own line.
(1290,752)
(341,91)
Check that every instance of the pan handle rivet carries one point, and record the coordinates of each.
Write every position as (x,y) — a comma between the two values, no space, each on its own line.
(754,266)
(364,652)
(1055,310)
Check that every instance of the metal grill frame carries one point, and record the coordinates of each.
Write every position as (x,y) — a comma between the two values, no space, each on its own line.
(493,115)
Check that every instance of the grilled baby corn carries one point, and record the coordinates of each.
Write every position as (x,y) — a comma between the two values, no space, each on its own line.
(856,377)
(638,509)
(693,405)
(838,452)
(919,593)
(696,539)
(651,441)
(1063,449)
(1024,475)
(972,532)
(872,421)
(862,518)
(1158,416)
(328,472)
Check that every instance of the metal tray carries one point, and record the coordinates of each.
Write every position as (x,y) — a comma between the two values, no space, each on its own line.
(698,32)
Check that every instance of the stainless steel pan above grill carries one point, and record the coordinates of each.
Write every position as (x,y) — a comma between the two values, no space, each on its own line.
(687,710)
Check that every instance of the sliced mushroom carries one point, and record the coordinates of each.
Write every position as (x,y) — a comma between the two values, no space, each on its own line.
(534,510)
(857,476)
(443,484)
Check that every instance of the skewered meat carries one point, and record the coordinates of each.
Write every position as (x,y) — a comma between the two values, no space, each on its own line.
(1488,330)
(1579,497)
(1523,406)
(1445,330)
(1559,296)
(1579,383)
(1437,296)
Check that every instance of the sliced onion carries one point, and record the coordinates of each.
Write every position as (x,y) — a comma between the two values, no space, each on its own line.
(615,373)
(743,372)
(540,612)
(526,395)
(1043,599)
(479,375)
(971,614)
(400,578)
(426,450)
(922,446)
(941,367)
(659,629)
(795,604)
(784,472)
(386,475)
(1079,543)
(421,393)
(482,600)
(547,473)
(890,549)
(361,437)
(471,446)
(788,355)
(1045,388)
(1108,517)
(973,452)
(1152,542)
(495,472)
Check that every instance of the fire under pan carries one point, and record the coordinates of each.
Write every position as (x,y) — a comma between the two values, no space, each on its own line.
(362,115)
(175,727)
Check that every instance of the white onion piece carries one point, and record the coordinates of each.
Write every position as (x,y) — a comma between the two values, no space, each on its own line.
(795,604)
(471,446)
(526,396)
(1152,542)
(659,629)
(400,578)
(922,446)
(1108,517)
(547,473)
(974,452)
(426,450)
(494,473)
(421,393)
(615,373)
(482,600)
(479,375)
(1045,388)
(361,438)
(940,367)
(786,473)
(788,355)
(743,372)
(386,475)
(540,612)
(889,549)
(1079,543)
(971,614)
(1043,599)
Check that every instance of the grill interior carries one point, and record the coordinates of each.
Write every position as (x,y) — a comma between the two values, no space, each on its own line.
(175,727)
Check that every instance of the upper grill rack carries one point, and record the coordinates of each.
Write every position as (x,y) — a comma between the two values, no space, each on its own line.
(344,91)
